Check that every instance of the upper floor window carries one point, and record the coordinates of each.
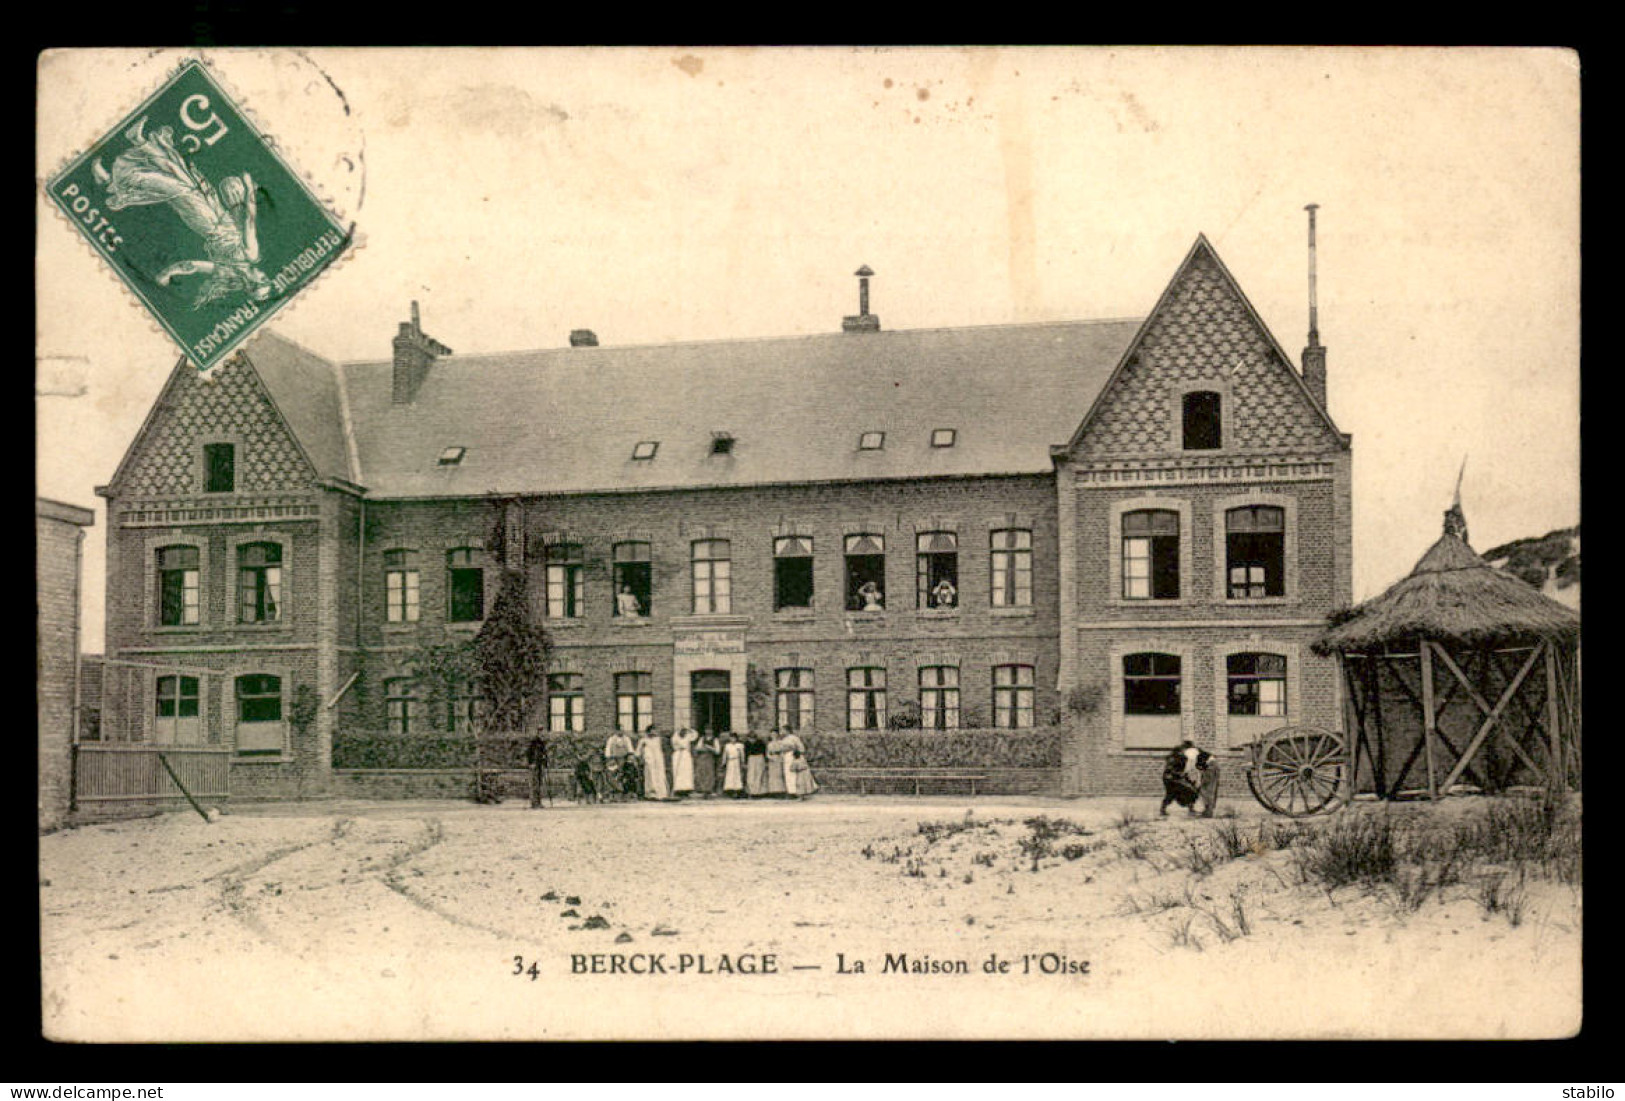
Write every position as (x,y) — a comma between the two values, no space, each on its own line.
(865,699)
(259,583)
(794,698)
(176,722)
(1012,565)
(1255,551)
(219,467)
(713,577)
(566,581)
(1151,555)
(400,706)
(634,579)
(939,697)
(465,586)
(1257,684)
(936,574)
(177,586)
(1013,696)
(400,586)
(1202,425)
(565,712)
(634,702)
(865,573)
(1151,684)
(259,715)
(792,572)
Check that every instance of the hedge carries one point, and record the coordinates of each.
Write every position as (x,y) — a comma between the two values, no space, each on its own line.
(1039,747)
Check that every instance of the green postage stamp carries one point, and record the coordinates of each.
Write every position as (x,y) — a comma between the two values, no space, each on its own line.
(199,215)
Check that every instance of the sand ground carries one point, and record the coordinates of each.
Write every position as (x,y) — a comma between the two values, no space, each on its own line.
(441,920)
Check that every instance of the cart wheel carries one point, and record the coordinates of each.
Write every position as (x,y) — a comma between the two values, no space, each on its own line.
(1298,771)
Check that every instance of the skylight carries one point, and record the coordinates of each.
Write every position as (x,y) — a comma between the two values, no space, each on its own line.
(871,441)
(722,443)
(942,437)
(645,449)
(451,456)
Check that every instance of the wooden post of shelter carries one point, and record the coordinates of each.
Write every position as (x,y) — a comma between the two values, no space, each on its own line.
(1558,779)
(1429,718)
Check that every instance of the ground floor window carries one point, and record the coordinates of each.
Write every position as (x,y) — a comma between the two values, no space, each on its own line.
(939,697)
(259,715)
(177,721)
(634,702)
(1257,685)
(794,689)
(565,711)
(400,706)
(865,699)
(1013,696)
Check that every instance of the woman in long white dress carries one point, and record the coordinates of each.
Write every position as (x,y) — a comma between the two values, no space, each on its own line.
(654,765)
(733,766)
(682,761)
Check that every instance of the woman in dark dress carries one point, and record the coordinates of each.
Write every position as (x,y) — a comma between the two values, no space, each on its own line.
(707,752)
(755,765)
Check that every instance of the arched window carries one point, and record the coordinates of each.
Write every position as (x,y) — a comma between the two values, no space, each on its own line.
(1151,684)
(634,702)
(178,603)
(794,698)
(401,586)
(259,583)
(939,697)
(1151,555)
(866,699)
(566,581)
(713,576)
(865,573)
(1011,562)
(1202,424)
(1257,685)
(936,572)
(792,572)
(1013,696)
(1255,552)
(564,703)
(260,732)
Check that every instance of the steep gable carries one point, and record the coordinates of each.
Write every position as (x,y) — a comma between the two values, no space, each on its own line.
(230,406)
(1203,332)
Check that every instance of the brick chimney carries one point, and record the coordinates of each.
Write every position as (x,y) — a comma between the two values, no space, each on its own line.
(864,322)
(415,351)
(583,338)
(1314,355)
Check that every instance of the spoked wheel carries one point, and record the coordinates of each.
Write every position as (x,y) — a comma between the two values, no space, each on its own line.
(1299,770)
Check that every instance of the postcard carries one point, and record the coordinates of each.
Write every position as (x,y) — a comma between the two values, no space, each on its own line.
(789,543)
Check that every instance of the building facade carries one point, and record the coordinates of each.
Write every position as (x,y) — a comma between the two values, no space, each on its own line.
(59,536)
(1129,526)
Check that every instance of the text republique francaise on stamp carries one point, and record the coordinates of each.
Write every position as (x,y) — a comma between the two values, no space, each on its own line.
(200,216)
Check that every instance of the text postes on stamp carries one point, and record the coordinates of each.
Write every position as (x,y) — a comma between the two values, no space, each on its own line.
(199,215)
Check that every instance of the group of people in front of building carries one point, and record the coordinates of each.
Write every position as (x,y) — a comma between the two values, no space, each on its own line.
(689,763)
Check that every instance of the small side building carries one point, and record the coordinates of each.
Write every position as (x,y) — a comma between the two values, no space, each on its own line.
(59,535)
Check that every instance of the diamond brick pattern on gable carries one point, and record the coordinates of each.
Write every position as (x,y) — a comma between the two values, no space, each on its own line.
(232,407)
(1202,330)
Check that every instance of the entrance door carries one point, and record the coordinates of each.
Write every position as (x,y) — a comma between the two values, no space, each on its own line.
(712,702)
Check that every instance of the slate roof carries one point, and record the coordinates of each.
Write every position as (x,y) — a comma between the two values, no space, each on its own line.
(566,420)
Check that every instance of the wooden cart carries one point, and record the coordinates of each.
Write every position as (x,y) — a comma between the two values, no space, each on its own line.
(1299,771)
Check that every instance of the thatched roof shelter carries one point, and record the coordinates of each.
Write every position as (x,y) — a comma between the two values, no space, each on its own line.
(1452,596)
(1462,670)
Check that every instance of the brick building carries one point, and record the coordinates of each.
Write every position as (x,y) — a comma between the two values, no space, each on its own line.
(1134,526)
(59,535)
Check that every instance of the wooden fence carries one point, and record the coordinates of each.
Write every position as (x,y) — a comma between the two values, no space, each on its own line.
(123,772)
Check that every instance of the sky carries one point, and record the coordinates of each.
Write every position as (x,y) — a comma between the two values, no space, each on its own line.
(701,194)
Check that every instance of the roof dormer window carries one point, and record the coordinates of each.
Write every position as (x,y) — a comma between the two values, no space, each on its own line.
(722,443)
(452,456)
(871,441)
(645,449)
(943,437)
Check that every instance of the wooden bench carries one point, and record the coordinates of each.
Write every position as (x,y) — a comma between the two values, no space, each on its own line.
(864,776)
